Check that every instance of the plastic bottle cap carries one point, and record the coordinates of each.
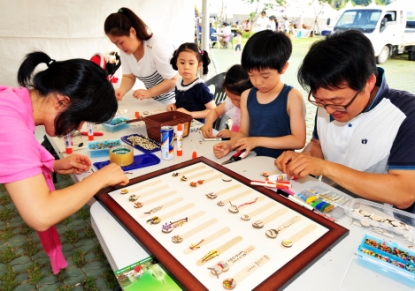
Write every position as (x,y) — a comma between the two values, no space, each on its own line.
(90,137)
(179,127)
(179,153)
(137,114)
(69,151)
(194,155)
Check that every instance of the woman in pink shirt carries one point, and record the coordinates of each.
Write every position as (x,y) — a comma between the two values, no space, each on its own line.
(61,98)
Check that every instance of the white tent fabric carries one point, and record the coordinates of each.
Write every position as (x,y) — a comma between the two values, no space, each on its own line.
(75,29)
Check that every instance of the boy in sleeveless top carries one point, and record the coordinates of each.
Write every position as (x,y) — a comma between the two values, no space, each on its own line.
(272,113)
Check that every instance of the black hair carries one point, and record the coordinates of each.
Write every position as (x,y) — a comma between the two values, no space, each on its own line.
(92,96)
(266,50)
(343,57)
(201,55)
(120,23)
(236,80)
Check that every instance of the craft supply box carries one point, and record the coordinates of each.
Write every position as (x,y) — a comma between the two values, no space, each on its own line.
(101,148)
(116,124)
(392,223)
(171,118)
(379,263)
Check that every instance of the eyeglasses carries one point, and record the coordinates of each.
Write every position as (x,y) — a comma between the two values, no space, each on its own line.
(335,107)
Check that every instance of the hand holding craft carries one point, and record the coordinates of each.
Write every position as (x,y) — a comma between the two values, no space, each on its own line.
(142,94)
(224,133)
(207,130)
(171,107)
(299,165)
(112,175)
(119,93)
(72,164)
(247,144)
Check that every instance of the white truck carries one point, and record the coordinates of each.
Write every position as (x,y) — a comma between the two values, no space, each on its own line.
(387,27)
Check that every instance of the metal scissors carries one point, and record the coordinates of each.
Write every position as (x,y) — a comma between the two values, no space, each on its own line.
(236,157)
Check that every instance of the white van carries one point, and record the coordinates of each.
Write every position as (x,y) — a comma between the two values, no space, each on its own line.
(385,26)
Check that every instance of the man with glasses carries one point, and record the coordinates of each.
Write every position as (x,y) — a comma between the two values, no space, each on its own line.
(364,134)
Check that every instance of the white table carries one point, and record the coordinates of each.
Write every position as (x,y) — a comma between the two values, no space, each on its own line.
(122,250)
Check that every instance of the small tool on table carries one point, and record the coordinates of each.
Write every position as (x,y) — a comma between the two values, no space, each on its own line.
(216,138)
(133,120)
(239,155)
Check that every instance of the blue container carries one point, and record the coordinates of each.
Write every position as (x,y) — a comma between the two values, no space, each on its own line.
(116,124)
(166,137)
(101,148)
(382,256)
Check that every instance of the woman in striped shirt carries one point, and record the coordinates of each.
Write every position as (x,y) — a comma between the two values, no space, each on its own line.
(144,56)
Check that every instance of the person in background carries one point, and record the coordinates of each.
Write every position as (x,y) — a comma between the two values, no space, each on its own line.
(272,24)
(236,81)
(225,35)
(212,35)
(144,55)
(287,28)
(272,113)
(276,25)
(262,23)
(363,139)
(61,98)
(193,97)
(238,46)
(247,26)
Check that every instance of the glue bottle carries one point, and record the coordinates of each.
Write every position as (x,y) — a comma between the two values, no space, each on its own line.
(90,131)
(179,139)
(68,144)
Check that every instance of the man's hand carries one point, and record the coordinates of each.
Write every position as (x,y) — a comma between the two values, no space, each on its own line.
(299,164)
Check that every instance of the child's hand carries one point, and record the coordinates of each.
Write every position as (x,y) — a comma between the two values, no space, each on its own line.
(72,164)
(221,149)
(224,133)
(184,111)
(171,107)
(119,94)
(207,130)
(142,94)
(247,143)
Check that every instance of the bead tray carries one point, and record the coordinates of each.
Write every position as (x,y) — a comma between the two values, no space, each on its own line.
(101,148)
(388,258)
(138,147)
(116,124)
(140,161)
(382,219)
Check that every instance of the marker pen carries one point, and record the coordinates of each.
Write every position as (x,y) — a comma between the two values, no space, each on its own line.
(300,202)
(216,138)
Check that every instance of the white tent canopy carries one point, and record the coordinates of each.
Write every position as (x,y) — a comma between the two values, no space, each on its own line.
(75,29)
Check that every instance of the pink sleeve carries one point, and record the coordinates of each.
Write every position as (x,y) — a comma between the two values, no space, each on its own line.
(20,157)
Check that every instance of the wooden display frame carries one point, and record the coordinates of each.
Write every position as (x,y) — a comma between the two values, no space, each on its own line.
(279,279)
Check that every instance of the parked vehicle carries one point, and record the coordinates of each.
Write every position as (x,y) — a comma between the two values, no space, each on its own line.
(387,27)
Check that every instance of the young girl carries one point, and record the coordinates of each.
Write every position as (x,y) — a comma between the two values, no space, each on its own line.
(272,113)
(192,95)
(236,82)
